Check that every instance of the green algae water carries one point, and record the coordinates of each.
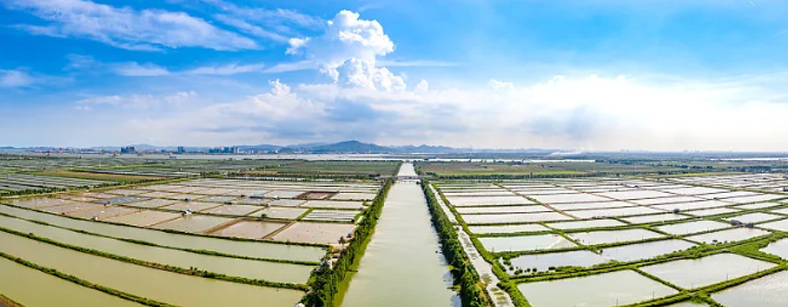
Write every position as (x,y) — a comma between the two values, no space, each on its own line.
(402,265)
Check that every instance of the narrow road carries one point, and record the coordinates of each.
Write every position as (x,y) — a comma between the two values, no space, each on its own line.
(500,297)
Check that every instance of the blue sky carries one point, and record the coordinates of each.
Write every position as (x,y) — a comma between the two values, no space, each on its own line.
(593,75)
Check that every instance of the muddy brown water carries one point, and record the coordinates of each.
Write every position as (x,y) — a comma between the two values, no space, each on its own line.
(402,265)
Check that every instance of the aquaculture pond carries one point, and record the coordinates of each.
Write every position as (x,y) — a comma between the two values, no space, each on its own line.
(604,290)
(543,262)
(729,235)
(402,265)
(173,288)
(33,288)
(525,243)
(248,249)
(513,218)
(264,270)
(613,236)
(779,248)
(506,228)
(692,227)
(767,291)
(646,250)
(654,218)
(709,270)
(586,224)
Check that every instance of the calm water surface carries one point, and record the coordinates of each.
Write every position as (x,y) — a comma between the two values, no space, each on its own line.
(401,265)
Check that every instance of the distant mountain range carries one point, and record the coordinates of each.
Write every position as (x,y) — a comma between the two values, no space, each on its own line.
(350,147)
(345,147)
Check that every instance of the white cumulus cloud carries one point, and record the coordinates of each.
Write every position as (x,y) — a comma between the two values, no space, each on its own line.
(348,51)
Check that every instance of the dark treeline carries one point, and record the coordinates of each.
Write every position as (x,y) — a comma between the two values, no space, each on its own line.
(326,281)
(462,269)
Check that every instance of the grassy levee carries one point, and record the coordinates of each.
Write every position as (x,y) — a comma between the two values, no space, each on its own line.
(472,291)
(84,283)
(5,301)
(325,281)
(169,268)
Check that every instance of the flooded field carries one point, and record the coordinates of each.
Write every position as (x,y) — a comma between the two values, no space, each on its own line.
(691,274)
(144,218)
(249,229)
(248,249)
(506,229)
(586,224)
(616,212)
(191,291)
(754,217)
(768,291)
(504,209)
(513,218)
(525,243)
(59,292)
(599,203)
(489,201)
(544,262)
(779,248)
(321,233)
(604,290)
(730,235)
(592,211)
(194,223)
(645,250)
(613,236)
(654,218)
(272,271)
(692,227)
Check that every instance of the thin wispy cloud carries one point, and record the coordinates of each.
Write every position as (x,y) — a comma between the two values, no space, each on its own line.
(274,24)
(225,70)
(251,29)
(124,27)
(135,69)
(15,78)
(136,101)
(416,63)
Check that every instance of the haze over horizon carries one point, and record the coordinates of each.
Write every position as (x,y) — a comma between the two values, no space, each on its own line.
(599,75)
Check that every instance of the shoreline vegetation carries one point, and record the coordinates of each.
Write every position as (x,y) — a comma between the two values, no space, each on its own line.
(7,302)
(326,279)
(472,291)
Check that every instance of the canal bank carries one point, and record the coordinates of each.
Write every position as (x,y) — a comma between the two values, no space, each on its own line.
(402,264)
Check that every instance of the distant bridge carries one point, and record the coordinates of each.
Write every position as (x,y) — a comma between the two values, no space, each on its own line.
(406,177)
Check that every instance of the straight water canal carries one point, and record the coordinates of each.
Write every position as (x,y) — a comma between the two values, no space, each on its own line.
(402,265)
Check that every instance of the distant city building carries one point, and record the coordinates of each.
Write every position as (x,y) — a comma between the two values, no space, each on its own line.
(224,150)
(128,150)
(181,149)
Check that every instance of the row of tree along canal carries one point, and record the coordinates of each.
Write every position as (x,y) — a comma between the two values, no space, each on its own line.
(402,263)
